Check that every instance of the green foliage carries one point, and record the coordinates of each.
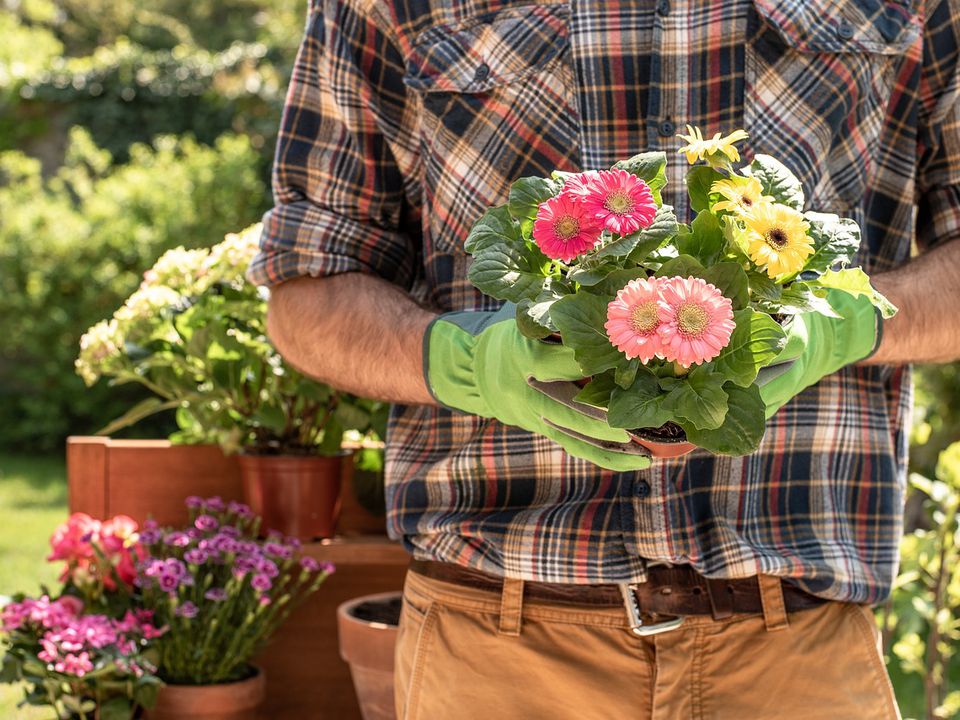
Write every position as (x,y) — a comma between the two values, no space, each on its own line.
(72,246)
(921,623)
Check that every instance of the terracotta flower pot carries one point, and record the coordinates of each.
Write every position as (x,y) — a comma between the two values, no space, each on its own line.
(368,634)
(660,446)
(224,701)
(299,496)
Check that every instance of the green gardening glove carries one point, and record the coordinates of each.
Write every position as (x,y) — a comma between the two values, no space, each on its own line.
(480,363)
(818,345)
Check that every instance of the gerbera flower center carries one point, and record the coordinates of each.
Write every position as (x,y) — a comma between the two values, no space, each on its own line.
(692,319)
(644,318)
(566,227)
(777,238)
(746,201)
(618,202)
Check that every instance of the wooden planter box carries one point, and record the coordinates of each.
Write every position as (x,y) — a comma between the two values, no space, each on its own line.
(151,478)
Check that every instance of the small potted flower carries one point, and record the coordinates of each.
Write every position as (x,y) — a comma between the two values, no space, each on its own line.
(221,593)
(194,334)
(670,323)
(87,653)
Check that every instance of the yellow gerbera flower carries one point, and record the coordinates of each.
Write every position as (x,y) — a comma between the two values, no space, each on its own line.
(742,194)
(777,238)
(697,148)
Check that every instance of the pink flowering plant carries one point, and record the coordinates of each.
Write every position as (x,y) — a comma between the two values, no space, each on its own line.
(88,652)
(219,590)
(670,322)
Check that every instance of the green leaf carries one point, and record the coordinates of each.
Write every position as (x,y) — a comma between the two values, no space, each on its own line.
(618,279)
(777,181)
(591,271)
(681,266)
(835,241)
(705,241)
(799,297)
(597,391)
(580,318)
(506,274)
(742,428)
(117,708)
(624,375)
(730,279)
(642,405)
(755,342)
(525,197)
(143,409)
(762,287)
(641,243)
(649,167)
(699,180)
(533,316)
(856,282)
(495,228)
(700,399)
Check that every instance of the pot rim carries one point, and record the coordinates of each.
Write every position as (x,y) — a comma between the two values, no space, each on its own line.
(639,432)
(345,608)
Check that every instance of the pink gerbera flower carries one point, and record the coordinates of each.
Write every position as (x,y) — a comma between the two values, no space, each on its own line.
(564,229)
(621,201)
(696,320)
(633,319)
(579,185)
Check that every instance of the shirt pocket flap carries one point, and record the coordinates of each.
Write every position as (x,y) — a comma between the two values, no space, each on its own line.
(488,51)
(887,27)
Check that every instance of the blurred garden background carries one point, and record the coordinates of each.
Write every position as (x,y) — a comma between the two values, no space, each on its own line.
(127,129)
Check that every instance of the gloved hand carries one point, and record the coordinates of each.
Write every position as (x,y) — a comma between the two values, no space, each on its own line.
(818,345)
(480,363)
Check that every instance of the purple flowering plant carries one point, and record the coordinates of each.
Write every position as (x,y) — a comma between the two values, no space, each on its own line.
(220,590)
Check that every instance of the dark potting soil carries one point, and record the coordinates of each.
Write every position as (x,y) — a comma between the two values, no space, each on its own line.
(381,611)
(667,432)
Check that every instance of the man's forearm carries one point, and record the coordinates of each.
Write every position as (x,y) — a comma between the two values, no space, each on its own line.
(355,332)
(927,292)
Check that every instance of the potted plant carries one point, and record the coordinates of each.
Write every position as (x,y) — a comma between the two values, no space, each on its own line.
(194,334)
(670,323)
(221,593)
(87,652)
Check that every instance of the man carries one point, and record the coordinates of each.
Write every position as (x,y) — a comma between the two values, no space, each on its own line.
(557,573)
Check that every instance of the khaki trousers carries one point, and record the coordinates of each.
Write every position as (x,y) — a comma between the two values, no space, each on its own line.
(464,653)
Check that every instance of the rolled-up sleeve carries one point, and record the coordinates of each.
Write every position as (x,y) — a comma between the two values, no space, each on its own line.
(346,195)
(938,171)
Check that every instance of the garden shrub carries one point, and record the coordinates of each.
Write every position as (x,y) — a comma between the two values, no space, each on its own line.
(73,245)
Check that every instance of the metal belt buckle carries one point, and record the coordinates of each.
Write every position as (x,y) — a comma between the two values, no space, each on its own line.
(636,622)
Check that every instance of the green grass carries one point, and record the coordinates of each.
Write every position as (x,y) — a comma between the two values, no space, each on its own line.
(33,501)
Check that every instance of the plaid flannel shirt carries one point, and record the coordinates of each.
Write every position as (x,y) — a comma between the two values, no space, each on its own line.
(406,119)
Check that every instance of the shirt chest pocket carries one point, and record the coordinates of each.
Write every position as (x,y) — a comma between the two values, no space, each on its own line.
(496,102)
(819,81)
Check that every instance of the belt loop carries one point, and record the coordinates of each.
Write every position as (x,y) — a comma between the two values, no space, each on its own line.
(771,597)
(511,607)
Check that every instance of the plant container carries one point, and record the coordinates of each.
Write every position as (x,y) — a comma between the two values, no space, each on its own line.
(223,701)
(296,495)
(668,441)
(367,628)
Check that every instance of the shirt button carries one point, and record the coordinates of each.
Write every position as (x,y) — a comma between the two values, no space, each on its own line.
(663,7)
(482,72)
(845,30)
(642,489)
(667,128)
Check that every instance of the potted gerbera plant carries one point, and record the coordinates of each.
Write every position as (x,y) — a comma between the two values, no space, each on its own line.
(221,593)
(670,323)
(194,334)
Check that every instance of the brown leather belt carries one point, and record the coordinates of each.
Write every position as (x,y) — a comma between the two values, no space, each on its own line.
(669,590)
